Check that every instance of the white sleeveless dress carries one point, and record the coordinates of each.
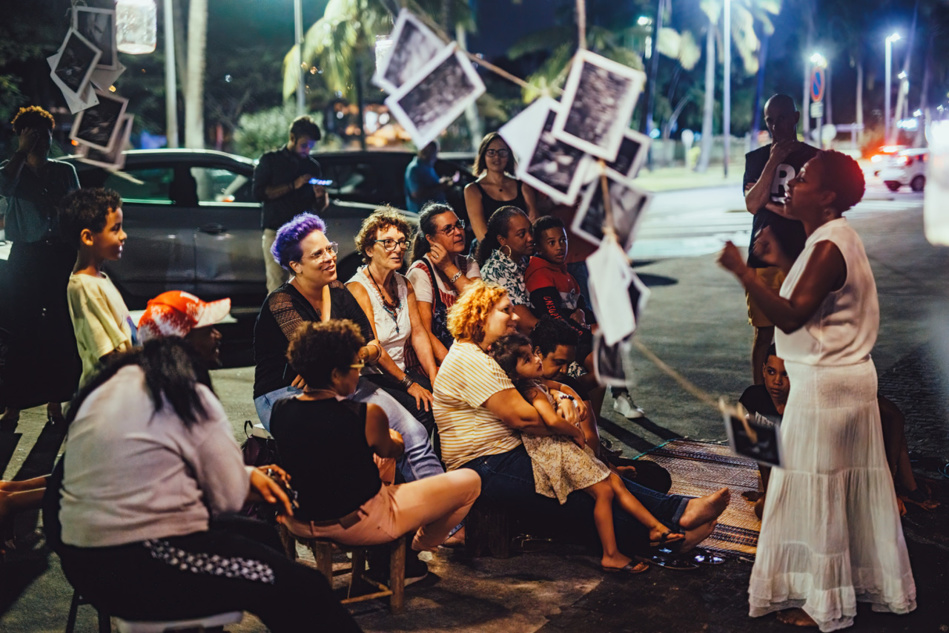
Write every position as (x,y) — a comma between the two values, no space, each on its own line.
(831,533)
(393,327)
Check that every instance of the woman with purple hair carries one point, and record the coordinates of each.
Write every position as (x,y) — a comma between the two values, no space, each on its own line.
(302,248)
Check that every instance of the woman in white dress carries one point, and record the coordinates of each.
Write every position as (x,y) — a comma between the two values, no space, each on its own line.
(831,533)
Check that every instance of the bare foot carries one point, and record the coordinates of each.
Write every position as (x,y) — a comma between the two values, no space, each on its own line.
(696,535)
(796,617)
(704,509)
(622,563)
(661,536)
(455,540)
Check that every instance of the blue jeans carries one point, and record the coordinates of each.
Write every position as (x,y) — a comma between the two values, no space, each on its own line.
(507,480)
(419,460)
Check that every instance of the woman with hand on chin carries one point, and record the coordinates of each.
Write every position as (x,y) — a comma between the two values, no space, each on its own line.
(302,247)
(388,299)
(503,256)
(831,533)
(495,186)
(439,271)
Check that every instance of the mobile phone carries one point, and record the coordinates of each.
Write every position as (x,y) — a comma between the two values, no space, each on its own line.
(323,182)
(456,177)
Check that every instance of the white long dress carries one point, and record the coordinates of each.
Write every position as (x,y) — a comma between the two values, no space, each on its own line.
(831,533)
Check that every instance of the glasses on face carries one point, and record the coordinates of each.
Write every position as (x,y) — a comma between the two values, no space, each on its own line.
(502,153)
(330,251)
(390,244)
(448,229)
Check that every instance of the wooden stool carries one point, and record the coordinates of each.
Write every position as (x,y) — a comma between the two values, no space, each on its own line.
(196,624)
(488,529)
(105,625)
(323,554)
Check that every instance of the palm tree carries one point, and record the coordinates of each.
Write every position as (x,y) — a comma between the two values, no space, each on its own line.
(194,88)
(340,44)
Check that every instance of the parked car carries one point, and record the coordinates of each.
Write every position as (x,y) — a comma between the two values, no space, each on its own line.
(194,225)
(906,167)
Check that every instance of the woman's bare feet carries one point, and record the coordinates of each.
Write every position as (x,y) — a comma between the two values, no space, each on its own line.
(622,563)
(704,509)
(796,617)
(661,536)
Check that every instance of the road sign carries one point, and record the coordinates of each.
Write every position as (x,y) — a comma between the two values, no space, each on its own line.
(817,84)
(817,110)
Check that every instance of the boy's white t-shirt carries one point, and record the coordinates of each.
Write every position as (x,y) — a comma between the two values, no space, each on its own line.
(100,319)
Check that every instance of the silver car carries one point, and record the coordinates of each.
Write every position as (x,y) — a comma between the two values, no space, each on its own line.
(194,225)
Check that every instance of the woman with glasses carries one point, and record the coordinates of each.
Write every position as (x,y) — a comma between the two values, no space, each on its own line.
(495,186)
(341,455)
(301,247)
(439,271)
(388,299)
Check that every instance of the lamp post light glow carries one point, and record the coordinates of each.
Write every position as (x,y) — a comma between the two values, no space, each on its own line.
(727,122)
(887,122)
(136,23)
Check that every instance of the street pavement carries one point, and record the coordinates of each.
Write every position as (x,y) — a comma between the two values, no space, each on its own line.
(696,323)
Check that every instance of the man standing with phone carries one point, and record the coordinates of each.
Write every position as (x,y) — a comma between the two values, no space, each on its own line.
(768,169)
(282,182)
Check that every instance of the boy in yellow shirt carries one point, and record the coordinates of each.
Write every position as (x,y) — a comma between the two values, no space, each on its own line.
(100,318)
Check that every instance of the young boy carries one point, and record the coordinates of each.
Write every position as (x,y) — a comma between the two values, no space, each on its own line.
(100,319)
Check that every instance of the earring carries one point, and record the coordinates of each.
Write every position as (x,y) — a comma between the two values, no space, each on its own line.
(508,247)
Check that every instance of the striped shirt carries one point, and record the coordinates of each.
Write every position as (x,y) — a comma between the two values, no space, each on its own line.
(466,380)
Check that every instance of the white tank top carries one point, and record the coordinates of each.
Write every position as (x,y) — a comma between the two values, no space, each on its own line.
(393,327)
(844,328)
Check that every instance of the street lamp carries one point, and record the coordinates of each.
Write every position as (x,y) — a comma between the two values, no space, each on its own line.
(727,123)
(298,36)
(887,122)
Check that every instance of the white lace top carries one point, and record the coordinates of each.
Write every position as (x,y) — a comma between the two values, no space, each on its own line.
(393,327)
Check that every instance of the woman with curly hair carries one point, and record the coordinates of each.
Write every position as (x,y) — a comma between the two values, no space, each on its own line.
(42,362)
(388,299)
(341,454)
(480,417)
(831,533)
(503,256)
(495,187)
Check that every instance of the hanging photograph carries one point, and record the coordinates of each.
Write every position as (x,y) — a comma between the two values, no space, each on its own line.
(552,166)
(413,46)
(627,203)
(114,160)
(632,154)
(75,102)
(609,362)
(98,126)
(437,95)
(98,26)
(597,104)
(754,436)
(77,59)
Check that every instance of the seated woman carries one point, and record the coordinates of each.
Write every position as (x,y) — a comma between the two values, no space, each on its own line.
(481,417)
(502,256)
(388,299)
(302,247)
(129,522)
(495,187)
(439,271)
(340,454)
(563,464)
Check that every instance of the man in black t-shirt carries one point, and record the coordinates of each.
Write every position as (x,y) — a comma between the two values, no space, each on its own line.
(282,183)
(767,399)
(768,169)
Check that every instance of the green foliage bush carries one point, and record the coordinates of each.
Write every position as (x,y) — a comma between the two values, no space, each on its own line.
(265,130)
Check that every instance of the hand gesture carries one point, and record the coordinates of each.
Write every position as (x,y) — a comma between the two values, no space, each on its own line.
(423,397)
(439,256)
(780,151)
(298,383)
(731,260)
(579,316)
(29,139)
(568,411)
(301,180)
(268,490)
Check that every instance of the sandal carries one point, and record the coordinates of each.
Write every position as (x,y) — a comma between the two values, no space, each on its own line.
(921,497)
(666,539)
(673,562)
(632,567)
(705,557)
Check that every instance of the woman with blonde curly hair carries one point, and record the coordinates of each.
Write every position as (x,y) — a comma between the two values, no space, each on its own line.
(388,299)
(480,417)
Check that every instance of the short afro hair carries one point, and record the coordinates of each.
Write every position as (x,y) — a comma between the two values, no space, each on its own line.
(550,333)
(380,220)
(286,246)
(305,126)
(32,118)
(544,223)
(842,175)
(467,315)
(317,348)
(87,209)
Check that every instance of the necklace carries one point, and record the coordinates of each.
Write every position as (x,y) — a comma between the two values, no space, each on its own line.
(392,309)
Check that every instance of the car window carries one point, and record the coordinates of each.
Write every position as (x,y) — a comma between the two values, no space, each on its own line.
(151,185)
(219,185)
(354,179)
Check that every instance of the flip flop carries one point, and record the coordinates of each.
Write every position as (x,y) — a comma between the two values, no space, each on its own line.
(705,557)
(632,567)
(668,538)
(673,562)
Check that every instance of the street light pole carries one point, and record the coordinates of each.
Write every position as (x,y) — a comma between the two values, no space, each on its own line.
(887,123)
(298,34)
(727,44)
(171,81)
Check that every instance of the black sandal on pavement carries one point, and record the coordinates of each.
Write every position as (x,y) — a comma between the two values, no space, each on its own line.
(675,562)
(667,539)
(632,567)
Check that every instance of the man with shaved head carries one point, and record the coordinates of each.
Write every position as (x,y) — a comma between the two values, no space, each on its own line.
(768,169)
